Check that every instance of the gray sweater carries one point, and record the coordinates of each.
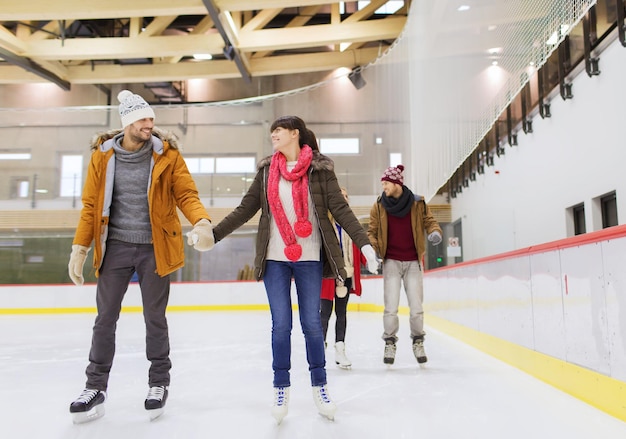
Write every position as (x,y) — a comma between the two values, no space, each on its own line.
(130,216)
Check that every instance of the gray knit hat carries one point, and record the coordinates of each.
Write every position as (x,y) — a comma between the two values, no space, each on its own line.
(133,108)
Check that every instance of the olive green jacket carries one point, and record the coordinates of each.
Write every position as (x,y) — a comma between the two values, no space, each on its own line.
(326,194)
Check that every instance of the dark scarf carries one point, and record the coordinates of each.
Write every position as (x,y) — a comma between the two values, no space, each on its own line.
(398,207)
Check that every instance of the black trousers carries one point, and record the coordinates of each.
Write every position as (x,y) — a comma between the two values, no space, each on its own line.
(121,261)
(341,307)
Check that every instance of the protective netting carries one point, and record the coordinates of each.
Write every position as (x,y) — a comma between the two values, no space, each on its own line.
(435,93)
(443,77)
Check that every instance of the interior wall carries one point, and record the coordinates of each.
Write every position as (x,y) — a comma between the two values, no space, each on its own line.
(570,158)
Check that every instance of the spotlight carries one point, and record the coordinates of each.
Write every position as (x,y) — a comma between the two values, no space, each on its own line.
(356,79)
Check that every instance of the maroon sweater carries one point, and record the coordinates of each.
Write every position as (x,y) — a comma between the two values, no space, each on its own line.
(400,245)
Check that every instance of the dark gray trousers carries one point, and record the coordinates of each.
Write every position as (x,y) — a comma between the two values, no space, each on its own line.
(121,261)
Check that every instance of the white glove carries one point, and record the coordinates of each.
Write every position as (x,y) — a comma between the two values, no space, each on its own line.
(341,290)
(370,255)
(201,236)
(435,237)
(77,261)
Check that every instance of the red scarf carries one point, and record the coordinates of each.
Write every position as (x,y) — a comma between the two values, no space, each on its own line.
(300,194)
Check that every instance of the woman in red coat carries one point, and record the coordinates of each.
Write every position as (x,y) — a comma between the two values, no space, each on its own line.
(334,290)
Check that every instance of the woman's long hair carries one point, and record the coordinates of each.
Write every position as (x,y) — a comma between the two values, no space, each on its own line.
(306,137)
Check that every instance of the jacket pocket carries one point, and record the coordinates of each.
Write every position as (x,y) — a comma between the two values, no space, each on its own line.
(172,242)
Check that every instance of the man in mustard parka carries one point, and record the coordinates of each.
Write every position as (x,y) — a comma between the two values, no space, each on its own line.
(135,181)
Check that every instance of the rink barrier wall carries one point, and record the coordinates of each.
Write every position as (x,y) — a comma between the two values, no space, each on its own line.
(556,311)
(550,310)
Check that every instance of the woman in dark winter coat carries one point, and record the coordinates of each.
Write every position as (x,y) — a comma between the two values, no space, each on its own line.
(295,188)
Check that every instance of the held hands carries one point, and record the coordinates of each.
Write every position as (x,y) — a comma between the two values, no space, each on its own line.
(435,237)
(370,255)
(201,236)
(77,261)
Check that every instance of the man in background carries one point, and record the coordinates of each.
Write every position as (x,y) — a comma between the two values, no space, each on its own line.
(399,222)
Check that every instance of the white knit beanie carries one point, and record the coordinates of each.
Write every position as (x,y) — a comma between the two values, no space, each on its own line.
(133,108)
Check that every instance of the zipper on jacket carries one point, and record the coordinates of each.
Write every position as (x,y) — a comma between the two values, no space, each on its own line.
(269,214)
(324,242)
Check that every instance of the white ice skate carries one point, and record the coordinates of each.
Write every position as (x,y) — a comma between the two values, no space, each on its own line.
(325,406)
(281,403)
(89,406)
(340,356)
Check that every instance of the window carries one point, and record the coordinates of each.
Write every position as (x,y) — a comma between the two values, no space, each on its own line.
(221,165)
(608,205)
(235,165)
(395,159)
(200,165)
(342,145)
(71,175)
(578,214)
(20,187)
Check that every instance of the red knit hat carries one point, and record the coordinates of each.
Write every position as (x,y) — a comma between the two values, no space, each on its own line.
(394,175)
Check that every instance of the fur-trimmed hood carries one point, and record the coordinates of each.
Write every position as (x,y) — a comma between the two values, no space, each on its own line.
(165,136)
(320,162)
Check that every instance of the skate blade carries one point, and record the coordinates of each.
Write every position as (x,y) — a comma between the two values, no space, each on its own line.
(155,413)
(279,415)
(329,416)
(344,366)
(82,417)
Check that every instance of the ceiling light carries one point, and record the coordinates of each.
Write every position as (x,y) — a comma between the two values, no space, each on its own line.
(554,38)
(463,8)
(202,56)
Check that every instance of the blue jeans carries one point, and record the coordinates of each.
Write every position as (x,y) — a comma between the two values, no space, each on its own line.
(308,278)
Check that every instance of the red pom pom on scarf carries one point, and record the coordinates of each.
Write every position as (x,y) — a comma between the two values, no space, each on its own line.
(293,252)
(303,228)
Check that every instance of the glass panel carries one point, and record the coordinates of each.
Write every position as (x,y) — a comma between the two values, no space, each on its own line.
(71,175)
(234,165)
(339,145)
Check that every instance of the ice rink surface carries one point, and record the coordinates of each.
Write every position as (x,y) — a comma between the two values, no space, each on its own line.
(222,385)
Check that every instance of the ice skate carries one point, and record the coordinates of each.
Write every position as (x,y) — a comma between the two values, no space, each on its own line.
(390,351)
(418,349)
(89,406)
(340,356)
(325,406)
(155,401)
(281,401)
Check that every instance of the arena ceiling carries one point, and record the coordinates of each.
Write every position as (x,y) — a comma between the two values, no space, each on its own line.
(157,41)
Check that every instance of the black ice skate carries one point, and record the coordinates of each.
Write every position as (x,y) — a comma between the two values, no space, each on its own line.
(418,349)
(155,401)
(390,351)
(89,406)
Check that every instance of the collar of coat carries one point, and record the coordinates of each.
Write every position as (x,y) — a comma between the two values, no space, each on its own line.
(163,137)
(320,162)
